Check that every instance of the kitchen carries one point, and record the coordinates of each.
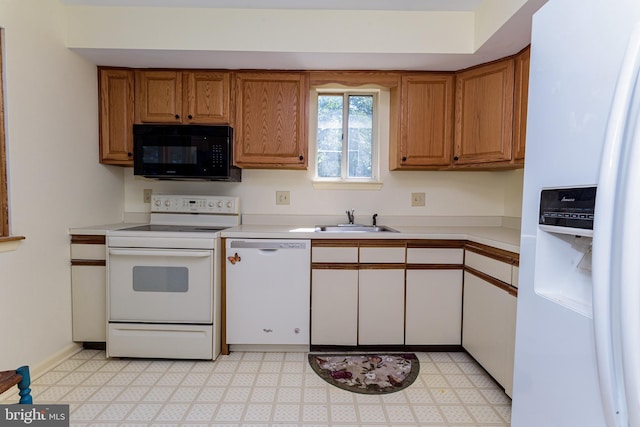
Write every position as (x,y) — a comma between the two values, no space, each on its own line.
(54,144)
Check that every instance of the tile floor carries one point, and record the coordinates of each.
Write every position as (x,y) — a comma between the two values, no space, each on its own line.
(263,389)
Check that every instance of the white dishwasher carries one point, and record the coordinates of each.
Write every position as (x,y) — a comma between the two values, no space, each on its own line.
(268,291)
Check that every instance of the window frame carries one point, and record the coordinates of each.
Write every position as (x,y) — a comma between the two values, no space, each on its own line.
(7,241)
(4,196)
(344,181)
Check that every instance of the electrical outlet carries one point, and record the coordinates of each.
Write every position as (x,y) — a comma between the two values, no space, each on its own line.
(418,199)
(146,195)
(282,198)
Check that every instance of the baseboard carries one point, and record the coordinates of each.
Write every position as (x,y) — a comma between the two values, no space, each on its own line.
(49,363)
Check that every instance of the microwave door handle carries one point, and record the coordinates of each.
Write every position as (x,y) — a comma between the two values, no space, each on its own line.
(164,253)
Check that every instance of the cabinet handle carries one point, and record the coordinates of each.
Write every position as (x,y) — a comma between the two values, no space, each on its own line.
(404,158)
(455,158)
(301,158)
(130,154)
(190,116)
(177,116)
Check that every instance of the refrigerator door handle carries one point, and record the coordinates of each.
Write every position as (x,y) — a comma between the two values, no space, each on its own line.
(627,235)
(630,279)
(606,255)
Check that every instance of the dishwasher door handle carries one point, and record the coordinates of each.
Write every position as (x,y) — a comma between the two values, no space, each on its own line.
(160,253)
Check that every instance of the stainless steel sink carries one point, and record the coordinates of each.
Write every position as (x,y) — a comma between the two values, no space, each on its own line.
(350,228)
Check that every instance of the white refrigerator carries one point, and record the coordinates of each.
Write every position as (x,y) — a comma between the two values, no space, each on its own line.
(577,357)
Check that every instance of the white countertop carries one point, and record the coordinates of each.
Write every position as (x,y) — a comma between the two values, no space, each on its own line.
(498,237)
(100,230)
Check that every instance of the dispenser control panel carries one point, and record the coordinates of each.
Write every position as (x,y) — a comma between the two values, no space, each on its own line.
(568,210)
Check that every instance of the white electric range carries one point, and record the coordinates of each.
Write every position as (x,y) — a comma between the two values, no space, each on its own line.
(164,279)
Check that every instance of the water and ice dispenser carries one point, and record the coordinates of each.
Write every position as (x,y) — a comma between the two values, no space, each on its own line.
(564,246)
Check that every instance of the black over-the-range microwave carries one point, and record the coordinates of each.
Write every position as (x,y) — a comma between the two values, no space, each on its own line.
(184,152)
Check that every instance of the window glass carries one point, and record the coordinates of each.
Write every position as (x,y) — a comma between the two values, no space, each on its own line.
(345,141)
(360,135)
(329,156)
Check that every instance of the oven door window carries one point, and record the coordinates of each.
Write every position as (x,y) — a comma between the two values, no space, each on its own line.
(160,279)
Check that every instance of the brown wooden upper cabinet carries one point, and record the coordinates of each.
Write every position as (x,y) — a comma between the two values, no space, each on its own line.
(426,122)
(176,96)
(271,120)
(116,104)
(521,101)
(484,108)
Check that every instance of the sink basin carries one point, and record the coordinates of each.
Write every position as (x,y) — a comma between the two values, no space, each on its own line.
(350,228)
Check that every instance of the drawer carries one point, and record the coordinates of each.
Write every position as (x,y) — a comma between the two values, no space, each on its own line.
(79,251)
(435,256)
(382,255)
(494,268)
(335,254)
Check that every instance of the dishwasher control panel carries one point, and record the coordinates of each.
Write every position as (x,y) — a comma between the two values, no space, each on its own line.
(268,244)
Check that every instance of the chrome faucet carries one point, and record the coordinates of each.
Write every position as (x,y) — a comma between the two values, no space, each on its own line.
(350,216)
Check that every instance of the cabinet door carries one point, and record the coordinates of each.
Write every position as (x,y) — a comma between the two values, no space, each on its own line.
(434,307)
(271,120)
(334,307)
(205,97)
(116,116)
(488,331)
(159,96)
(484,114)
(426,123)
(89,302)
(381,307)
(521,101)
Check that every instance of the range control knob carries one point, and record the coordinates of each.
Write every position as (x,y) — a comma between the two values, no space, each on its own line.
(219,204)
(158,202)
(229,204)
(167,202)
(211,204)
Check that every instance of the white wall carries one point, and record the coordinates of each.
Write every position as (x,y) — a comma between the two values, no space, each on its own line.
(513,193)
(55,180)
(447,193)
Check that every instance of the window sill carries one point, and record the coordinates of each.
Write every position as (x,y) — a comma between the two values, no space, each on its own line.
(347,185)
(10,243)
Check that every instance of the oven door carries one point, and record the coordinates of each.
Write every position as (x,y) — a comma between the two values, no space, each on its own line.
(160,285)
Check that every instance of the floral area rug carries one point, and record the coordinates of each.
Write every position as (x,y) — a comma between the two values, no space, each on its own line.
(367,373)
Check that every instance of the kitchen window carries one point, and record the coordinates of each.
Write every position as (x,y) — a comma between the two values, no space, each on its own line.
(346,136)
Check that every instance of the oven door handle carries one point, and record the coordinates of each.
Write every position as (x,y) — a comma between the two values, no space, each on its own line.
(164,253)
